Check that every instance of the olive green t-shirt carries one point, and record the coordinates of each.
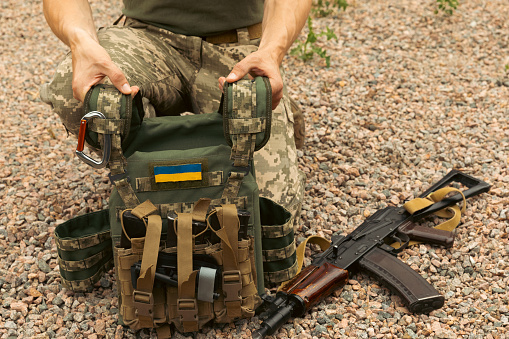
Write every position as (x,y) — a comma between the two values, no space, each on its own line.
(196,17)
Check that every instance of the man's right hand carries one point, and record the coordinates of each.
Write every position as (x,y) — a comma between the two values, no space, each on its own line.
(91,64)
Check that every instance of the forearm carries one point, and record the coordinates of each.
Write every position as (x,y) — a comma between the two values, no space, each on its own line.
(71,21)
(282,22)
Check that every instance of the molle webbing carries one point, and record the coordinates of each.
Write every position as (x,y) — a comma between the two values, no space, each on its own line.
(246,125)
(117,108)
(84,250)
(183,207)
(242,123)
(278,242)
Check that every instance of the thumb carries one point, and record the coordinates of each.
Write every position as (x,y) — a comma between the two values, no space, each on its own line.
(119,80)
(238,72)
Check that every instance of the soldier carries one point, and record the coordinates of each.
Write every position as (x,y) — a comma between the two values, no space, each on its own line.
(173,53)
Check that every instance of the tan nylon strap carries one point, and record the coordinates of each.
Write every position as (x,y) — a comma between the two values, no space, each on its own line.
(229,235)
(417,204)
(301,249)
(200,209)
(144,209)
(231,223)
(145,282)
(224,233)
(231,36)
(452,212)
(184,251)
(186,303)
(164,332)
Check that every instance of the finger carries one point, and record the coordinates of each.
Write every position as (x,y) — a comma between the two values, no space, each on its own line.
(134,90)
(79,91)
(221,81)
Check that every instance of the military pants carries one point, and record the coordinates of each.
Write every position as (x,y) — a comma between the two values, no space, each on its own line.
(176,74)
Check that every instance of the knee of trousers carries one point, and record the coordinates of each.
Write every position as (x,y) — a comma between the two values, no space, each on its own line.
(58,94)
(276,165)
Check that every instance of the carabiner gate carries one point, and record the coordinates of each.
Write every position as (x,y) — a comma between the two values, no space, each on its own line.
(81,142)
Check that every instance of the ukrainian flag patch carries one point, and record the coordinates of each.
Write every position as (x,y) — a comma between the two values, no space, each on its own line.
(178,173)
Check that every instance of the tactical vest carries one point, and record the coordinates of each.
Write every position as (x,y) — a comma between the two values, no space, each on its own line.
(191,240)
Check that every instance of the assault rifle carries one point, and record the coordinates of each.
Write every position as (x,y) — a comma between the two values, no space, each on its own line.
(368,249)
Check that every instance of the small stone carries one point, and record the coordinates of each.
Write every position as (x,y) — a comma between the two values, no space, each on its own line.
(41,276)
(19,306)
(57,301)
(43,266)
(10,325)
(34,293)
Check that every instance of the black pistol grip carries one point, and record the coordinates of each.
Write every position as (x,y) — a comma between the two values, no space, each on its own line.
(418,295)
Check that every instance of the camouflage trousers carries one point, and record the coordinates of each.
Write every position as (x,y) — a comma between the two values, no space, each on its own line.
(176,74)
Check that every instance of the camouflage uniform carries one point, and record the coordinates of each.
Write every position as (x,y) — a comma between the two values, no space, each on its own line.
(178,73)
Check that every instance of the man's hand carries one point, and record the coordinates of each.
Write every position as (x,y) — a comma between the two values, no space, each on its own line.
(282,22)
(258,63)
(72,22)
(91,64)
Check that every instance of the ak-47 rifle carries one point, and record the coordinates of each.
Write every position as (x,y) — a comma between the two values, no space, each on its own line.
(368,249)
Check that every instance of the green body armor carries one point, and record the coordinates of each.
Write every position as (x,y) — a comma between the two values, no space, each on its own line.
(194,167)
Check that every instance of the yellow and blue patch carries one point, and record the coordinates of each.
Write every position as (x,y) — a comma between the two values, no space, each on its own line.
(176,173)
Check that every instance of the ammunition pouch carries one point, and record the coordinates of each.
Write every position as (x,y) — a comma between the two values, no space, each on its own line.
(201,168)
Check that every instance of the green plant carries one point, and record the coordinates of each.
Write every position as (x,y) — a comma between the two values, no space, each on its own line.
(324,7)
(447,6)
(507,68)
(306,50)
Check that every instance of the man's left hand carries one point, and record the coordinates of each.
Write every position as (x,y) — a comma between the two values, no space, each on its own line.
(258,63)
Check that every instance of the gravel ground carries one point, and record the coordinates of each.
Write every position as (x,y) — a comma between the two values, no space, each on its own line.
(410,94)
